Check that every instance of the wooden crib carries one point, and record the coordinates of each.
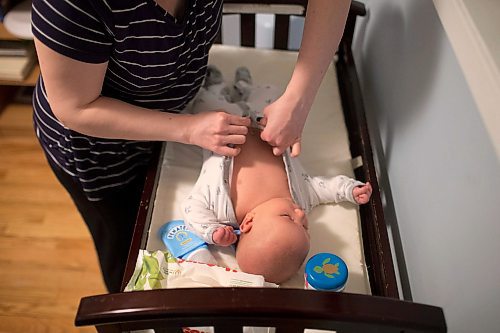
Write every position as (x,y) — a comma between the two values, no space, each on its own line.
(287,310)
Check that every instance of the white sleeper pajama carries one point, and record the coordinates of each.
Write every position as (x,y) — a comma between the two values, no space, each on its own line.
(209,205)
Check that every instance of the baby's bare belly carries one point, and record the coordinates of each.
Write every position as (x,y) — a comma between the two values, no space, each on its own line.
(258,176)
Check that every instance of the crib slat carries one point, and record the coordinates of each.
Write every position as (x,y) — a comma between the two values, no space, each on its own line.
(218,38)
(228,329)
(281,27)
(289,329)
(376,244)
(247,30)
(168,330)
(108,329)
(142,222)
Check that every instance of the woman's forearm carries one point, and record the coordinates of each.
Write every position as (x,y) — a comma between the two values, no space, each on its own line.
(323,29)
(110,118)
(105,117)
(74,93)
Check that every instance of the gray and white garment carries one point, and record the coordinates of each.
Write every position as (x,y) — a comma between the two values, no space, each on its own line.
(209,204)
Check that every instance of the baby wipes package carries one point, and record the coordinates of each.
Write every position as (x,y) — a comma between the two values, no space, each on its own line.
(159,269)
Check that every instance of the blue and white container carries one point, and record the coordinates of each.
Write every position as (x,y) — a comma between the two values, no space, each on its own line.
(179,240)
(326,271)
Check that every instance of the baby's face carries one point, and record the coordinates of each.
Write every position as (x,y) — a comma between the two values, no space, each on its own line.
(282,213)
(274,240)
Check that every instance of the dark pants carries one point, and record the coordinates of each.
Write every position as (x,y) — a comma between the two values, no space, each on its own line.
(110,221)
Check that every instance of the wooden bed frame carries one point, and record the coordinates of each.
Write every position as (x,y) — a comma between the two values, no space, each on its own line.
(288,310)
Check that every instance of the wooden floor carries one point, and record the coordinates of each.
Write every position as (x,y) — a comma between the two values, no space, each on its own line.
(47,259)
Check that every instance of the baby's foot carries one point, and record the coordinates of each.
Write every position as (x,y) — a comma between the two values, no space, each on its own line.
(243,74)
(213,76)
(241,91)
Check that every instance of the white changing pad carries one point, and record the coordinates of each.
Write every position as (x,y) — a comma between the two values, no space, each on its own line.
(325,151)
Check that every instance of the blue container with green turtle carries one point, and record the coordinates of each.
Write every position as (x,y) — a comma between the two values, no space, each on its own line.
(326,271)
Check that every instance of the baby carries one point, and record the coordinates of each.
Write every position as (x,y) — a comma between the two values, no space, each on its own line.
(265,196)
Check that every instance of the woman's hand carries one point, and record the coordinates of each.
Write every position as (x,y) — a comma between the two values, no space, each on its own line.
(224,236)
(284,121)
(323,29)
(218,131)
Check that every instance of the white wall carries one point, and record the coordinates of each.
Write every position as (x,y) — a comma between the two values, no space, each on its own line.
(437,165)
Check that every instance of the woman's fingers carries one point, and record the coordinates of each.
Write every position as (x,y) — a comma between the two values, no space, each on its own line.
(219,132)
(227,151)
(234,129)
(234,139)
(263,121)
(277,151)
(238,120)
(296,149)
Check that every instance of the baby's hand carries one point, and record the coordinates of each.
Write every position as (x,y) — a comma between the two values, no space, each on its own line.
(224,236)
(362,193)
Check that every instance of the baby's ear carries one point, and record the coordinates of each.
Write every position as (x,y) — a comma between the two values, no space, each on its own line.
(247,223)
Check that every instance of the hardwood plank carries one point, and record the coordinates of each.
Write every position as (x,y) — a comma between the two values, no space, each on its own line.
(35,222)
(35,325)
(17,115)
(57,254)
(35,175)
(31,193)
(5,34)
(47,258)
(29,80)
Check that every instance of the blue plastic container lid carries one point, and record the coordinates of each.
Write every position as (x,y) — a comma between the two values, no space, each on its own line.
(326,271)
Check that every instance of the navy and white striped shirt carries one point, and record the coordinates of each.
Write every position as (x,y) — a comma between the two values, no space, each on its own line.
(154,61)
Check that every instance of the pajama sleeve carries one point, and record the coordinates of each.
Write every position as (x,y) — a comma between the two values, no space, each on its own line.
(332,189)
(200,218)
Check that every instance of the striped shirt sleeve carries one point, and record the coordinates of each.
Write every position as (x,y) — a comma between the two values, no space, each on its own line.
(71,28)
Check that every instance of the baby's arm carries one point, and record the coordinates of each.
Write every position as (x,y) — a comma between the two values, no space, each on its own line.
(338,189)
(203,222)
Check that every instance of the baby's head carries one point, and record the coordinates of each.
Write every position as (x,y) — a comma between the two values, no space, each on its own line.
(274,240)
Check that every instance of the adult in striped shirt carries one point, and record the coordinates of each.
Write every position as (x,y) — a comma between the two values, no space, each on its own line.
(114,76)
